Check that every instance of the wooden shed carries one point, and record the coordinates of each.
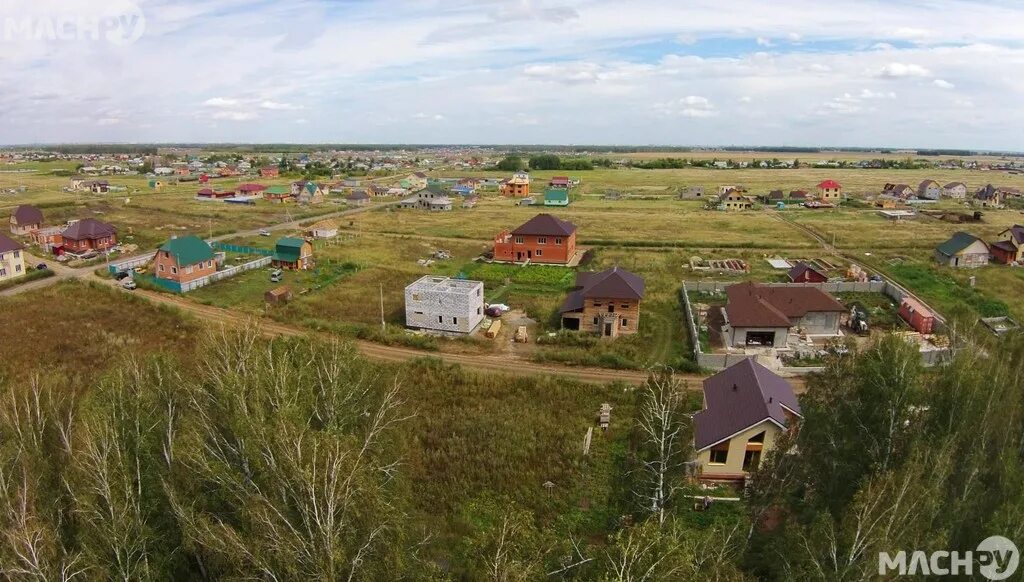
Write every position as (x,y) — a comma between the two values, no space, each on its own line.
(279,295)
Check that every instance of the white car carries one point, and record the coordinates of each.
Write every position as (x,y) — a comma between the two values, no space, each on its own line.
(500,306)
(129,284)
(264,232)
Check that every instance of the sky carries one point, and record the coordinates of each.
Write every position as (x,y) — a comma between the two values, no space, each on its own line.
(865,73)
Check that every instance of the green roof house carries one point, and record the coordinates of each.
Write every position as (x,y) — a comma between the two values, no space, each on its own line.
(293,253)
(277,193)
(185,259)
(962,250)
(556,197)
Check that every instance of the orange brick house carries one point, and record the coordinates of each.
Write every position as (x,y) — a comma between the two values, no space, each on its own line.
(87,235)
(270,172)
(517,187)
(605,303)
(184,260)
(542,239)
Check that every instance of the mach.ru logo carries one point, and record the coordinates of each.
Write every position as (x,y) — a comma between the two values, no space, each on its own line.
(996,558)
(117,23)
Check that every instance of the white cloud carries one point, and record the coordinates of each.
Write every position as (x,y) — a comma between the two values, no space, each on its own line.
(869,94)
(943,84)
(689,106)
(900,70)
(234,115)
(276,106)
(745,99)
(762,41)
(221,102)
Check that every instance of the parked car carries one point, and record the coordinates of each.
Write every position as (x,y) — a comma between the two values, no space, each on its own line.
(493,312)
(276,275)
(129,285)
(122,275)
(264,232)
(41,267)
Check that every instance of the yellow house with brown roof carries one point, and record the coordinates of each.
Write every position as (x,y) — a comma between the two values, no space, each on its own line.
(12,259)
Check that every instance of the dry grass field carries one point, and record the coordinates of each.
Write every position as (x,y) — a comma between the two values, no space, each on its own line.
(649,231)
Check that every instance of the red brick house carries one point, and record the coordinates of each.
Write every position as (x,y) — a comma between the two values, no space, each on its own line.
(26,219)
(87,235)
(804,273)
(251,189)
(270,172)
(184,260)
(214,194)
(542,239)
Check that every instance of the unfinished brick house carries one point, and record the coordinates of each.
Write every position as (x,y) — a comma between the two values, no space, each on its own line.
(605,303)
(444,304)
(542,239)
(517,187)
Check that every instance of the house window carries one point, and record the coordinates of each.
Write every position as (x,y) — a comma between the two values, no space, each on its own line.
(542,240)
(188,269)
(174,270)
(719,454)
(519,240)
(625,323)
(161,268)
(479,310)
(558,241)
(624,306)
(538,252)
(440,319)
(595,320)
(17,268)
(455,321)
(17,254)
(3,272)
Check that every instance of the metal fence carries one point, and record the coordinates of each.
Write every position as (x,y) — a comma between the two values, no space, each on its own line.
(721,361)
(226,273)
(242,249)
(123,266)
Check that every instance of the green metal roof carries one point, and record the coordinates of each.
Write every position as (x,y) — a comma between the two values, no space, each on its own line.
(959,242)
(289,249)
(556,194)
(279,190)
(188,250)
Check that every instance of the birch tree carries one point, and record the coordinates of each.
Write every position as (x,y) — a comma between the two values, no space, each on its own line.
(665,433)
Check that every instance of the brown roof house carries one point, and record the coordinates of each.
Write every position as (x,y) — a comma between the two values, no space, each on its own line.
(805,273)
(1010,246)
(766,315)
(25,219)
(605,303)
(746,409)
(89,234)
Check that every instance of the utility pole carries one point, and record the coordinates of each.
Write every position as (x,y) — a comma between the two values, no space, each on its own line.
(383,326)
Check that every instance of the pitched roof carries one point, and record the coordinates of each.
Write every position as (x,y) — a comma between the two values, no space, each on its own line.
(776,195)
(800,268)
(25,214)
(288,249)
(987,192)
(188,250)
(88,229)
(251,188)
(1016,233)
(957,243)
(753,305)
(279,190)
(952,185)
(358,195)
(8,244)
(739,397)
(829,184)
(798,194)
(615,283)
(546,224)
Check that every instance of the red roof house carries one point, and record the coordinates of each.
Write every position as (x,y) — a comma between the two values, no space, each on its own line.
(830,190)
(804,273)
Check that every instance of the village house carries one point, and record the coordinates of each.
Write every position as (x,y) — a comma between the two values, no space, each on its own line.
(277,194)
(898,191)
(556,197)
(77,183)
(962,250)
(184,259)
(989,196)
(25,219)
(605,303)
(517,187)
(89,234)
(542,239)
(559,182)
(48,238)
(12,259)
(293,253)
(324,229)
(309,193)
(1009,248)
(470,201)
(774,197)
(270,172)
(357,198)
(433,199)
(747,408)
(798,195)
(211,194)
(733,200)
(691,192)
(444,304)
(955,190)
(98,186)
(463,190)
(251,189)
(805,273)
(378,191)
(929,190)
(766,315)
(830,190)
